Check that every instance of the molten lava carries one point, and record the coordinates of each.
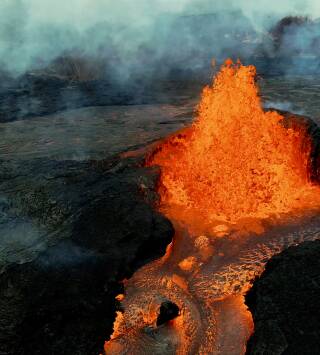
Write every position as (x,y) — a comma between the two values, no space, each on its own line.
(224,182)
(235,160)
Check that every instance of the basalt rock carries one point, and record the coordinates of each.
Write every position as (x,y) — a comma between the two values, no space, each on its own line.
(284,303)
(168,311)
(70,231)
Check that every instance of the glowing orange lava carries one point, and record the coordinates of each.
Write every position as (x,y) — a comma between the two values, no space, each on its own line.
(220,179)
(235,160)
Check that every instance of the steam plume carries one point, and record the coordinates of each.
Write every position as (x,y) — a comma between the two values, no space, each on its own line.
(146,36)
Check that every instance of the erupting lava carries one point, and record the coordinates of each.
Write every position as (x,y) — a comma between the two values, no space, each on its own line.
(235,160)
(224,182)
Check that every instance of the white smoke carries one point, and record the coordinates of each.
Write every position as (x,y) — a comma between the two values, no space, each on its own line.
(284,106)
(34,32)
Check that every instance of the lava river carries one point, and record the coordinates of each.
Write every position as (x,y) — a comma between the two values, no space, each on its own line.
(236,184)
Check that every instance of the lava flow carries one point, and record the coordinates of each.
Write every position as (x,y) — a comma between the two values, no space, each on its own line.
(236,186)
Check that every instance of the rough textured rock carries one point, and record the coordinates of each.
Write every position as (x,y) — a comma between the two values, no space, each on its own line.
(70,231)
(284,303)
(168,311)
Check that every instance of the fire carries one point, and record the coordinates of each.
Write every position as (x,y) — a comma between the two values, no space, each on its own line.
(235,160)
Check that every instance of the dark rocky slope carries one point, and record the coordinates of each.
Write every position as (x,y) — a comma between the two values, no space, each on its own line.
(40,94)
(70,231)
(284,303)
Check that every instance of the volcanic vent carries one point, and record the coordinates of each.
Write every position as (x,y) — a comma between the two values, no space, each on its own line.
(236,185)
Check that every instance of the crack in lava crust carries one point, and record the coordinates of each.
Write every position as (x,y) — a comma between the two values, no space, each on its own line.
(235,184)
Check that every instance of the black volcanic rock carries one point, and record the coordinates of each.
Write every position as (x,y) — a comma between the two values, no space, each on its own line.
(168,311)
(284,303)
(70,231)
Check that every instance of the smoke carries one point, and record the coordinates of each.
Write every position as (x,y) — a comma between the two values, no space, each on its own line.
(65,254)
(141,36)
(284,106)
(20,239)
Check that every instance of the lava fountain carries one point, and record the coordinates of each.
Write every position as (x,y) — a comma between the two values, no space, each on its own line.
(236,184)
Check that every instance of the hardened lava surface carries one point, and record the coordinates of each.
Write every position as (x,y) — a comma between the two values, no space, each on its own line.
(284,303)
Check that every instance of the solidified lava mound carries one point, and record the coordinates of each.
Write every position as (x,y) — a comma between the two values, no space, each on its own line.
(284,303)
(70,232)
